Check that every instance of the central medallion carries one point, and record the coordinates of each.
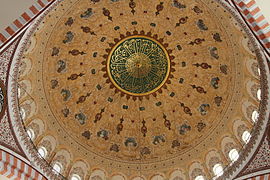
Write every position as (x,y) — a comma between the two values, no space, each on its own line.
(138,65)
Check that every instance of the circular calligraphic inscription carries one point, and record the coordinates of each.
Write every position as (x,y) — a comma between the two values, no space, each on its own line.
(138,65)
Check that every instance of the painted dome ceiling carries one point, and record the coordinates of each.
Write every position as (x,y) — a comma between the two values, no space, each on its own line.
(140,89)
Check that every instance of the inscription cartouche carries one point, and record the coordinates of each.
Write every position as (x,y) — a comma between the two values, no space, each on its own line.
(138,65)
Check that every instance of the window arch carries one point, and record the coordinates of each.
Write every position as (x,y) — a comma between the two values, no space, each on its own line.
(199,178)
(57,167)
(75,177)
(42,152)
(259,92)
(19,92)
(246,136)
(22,113)
(233,155)
(31,133)
(255,116)
(218,170)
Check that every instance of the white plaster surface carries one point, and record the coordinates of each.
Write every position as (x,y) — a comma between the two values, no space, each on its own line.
(265,8)
(3,178)
(11,10)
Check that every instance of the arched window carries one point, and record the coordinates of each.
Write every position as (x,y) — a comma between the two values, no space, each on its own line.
(255,116)
(42,151)
(19,92)
(218,170)
(259,94)
(246,136)
(22,113)
(233,155)
(199,178)
(57,167)
(31,134)
(75,177)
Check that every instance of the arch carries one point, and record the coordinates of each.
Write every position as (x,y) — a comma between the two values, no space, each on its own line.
(177,178)
(98,174)
(196,169)
(138,178)
(248,109)
(252,89)
(62,158)
(254,116)
(25,67)
(75,177)
(259,94)
(239,127)
(177,175)
(29,108)
(58,167)
(22,114)
(213,158)
(43,152)
(199,178)
(218,169)
(157,177)
(227,144)
(24,88)
(253,68)
(248,45)
(118,177)
(233,155)
(14,168)
(49,142)
(246,136)
(79,168)
(30,44)
(37,126)
(31,133)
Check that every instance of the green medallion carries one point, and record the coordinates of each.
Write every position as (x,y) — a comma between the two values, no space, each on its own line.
(138,65)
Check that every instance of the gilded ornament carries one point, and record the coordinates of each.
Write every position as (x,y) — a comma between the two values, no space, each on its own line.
(138,65)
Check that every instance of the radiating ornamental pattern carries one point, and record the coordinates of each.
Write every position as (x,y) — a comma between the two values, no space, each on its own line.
(139,87)
(138,65)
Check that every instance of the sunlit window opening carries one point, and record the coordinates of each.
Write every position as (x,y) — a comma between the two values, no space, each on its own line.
(255,116)
(199,178)
(22,113)
(246,136)
(218,170)
(259,94)
(31,134)
(42,152)
(57,167)
(75,177)
(233,155)
(19,92)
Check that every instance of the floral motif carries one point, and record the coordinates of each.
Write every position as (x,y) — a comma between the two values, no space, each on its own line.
(203,109)
(88,13)
(184,128)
